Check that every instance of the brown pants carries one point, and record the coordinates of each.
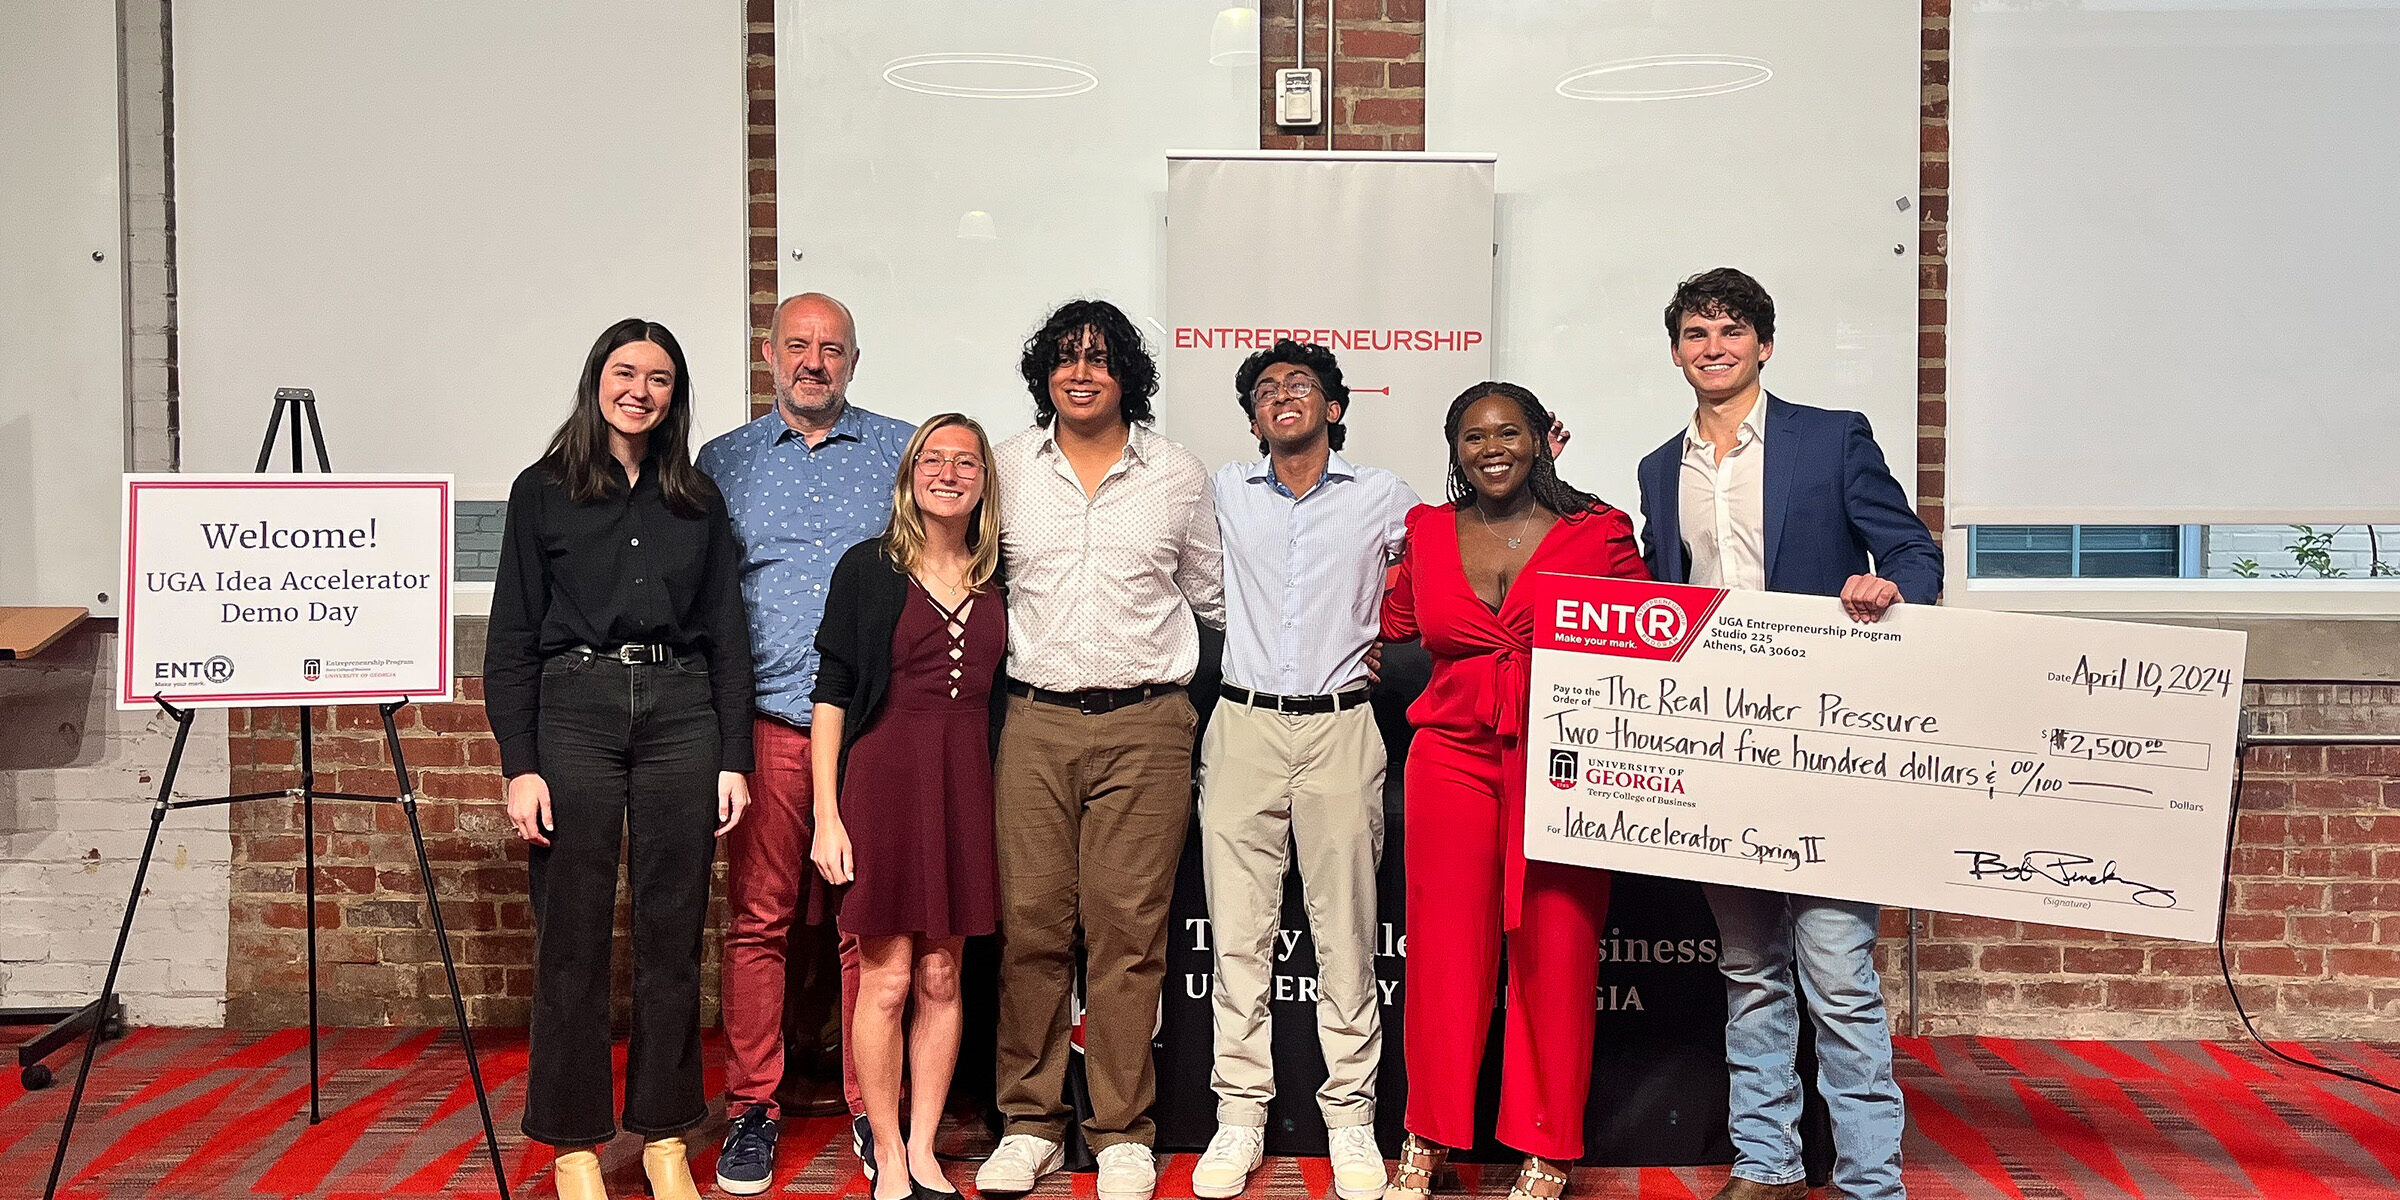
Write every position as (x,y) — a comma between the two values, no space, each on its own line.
(1092,814)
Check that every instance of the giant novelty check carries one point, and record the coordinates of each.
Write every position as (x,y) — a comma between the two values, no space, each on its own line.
(2049,769)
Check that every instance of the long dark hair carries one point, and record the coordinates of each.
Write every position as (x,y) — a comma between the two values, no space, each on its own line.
(1129,361)
(1548,489)
(578,457)
(1319,361)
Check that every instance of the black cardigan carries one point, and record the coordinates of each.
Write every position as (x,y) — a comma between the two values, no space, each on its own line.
(854,642)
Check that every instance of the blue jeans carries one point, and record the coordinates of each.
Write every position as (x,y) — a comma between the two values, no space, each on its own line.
(1764,935)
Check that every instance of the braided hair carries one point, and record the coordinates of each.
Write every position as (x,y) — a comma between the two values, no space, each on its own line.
(1548,489)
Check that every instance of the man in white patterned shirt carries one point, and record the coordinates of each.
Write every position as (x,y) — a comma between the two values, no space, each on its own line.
(1109,537)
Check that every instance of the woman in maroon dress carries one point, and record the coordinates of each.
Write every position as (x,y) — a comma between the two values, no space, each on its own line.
(1461,586)
(908,702)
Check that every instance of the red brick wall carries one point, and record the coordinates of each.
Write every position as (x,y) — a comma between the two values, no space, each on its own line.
(1933,266)
(377,963)
(1378,98)
(764,266)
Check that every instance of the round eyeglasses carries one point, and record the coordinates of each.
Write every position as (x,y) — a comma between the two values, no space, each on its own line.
(1297,387)
(968,466)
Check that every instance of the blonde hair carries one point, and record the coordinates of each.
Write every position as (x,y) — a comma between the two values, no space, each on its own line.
(904,538)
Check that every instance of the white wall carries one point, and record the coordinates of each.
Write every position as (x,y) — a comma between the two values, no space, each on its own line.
(2172,241)
(77,779)
(427,212)
(874,181)
(62,338)
(1807,179)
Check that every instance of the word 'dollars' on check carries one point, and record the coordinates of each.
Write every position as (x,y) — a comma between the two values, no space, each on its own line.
(2071,772)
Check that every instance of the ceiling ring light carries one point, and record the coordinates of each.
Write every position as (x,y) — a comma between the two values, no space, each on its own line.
(1046,78)
(1743,73)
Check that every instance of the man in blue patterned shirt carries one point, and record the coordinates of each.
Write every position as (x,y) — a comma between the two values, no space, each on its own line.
(804,484)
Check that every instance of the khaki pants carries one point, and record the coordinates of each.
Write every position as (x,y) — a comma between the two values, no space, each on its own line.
(1092,813)
(1268,780)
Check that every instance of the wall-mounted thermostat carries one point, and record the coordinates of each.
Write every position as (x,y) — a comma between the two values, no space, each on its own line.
(1299,96)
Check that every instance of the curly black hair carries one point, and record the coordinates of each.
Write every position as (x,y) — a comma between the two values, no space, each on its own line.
(1129,361)
(1724,292)
(1548,489)
(1319,361)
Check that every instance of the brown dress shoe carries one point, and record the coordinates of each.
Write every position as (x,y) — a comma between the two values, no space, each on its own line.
(1738,1188)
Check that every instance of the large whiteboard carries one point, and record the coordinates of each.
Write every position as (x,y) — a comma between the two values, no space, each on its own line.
(62,317)
(1771,135)
(426,213)
(952,219)
(2172,248)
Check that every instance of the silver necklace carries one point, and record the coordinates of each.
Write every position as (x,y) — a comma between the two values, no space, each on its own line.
(1513,542)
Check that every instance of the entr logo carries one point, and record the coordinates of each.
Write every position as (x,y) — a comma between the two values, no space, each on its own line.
(1632,618)
(216,669)
(1563,765)
(1658,621)
(312,668)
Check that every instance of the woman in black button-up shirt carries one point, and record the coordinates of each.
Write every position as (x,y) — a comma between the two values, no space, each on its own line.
(617,681)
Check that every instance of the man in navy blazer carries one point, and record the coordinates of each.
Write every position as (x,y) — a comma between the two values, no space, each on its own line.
(1763,494)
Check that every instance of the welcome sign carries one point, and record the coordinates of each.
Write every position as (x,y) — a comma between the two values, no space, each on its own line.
(264,589)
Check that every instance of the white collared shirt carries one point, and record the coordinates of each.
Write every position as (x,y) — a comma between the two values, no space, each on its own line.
(1723,505)
(1304,574)
(1102,590)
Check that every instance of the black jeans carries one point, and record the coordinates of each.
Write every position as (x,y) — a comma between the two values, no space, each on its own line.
(630,748)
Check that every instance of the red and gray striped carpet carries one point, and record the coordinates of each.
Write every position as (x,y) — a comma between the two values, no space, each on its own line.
(203,1113)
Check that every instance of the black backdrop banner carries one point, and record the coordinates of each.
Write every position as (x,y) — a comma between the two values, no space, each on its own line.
(1658,1093)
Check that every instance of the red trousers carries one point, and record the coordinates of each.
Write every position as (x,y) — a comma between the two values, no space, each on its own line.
(768,882)
(1454,844)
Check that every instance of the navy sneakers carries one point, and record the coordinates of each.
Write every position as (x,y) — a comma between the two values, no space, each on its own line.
(746,1165)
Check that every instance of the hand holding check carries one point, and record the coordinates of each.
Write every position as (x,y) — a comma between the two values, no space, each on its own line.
(1865,597)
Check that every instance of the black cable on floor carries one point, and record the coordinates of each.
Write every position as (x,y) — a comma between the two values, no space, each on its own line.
(2225,964)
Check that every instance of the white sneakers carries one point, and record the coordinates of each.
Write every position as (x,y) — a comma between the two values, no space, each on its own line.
(1127,1172)
(1019,1163)
(1357,1163)
(1232,1154)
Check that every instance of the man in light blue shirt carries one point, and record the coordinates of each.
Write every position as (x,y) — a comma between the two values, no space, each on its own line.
(1293,753)
(804,484)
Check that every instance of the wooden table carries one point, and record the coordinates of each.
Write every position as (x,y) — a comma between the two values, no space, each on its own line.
(25,632)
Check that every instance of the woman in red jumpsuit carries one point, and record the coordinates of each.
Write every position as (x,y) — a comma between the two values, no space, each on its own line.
(1468,881)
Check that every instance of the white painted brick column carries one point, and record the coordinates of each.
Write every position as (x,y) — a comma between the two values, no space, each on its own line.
(77,779)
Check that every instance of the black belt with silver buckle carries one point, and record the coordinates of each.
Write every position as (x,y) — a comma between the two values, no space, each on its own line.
(1094,702)
(634,654)
(1298,705)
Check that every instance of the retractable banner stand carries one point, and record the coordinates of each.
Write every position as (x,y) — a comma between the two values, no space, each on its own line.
(1389,264)
(1385,260)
